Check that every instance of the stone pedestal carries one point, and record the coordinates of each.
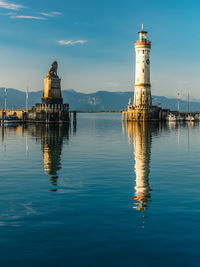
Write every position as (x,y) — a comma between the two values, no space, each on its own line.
(142,114)
(52,91)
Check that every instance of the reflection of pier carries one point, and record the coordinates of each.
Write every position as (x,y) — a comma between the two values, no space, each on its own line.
(141,135)
(51,136)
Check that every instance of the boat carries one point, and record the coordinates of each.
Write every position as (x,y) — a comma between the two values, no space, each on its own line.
(189,118)
(179,118)
(171,117)
(197,117)
(11,119)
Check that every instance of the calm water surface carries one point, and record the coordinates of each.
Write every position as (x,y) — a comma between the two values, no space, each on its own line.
(103,194)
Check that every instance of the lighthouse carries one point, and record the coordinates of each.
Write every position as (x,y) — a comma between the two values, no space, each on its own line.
(142,94)
(142,108)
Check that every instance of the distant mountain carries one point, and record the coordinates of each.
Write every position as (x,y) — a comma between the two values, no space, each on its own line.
(101,100)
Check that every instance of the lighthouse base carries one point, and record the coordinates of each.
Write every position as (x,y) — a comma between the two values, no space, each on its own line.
(152,113)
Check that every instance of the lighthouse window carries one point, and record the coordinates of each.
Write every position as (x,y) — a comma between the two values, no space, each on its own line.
(143,51)
(143,70)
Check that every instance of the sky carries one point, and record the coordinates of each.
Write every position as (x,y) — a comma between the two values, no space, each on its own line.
(93,42)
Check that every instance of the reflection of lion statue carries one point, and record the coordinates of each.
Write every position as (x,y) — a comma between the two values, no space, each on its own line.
(53,70)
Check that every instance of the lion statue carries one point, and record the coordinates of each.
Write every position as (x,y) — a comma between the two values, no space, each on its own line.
(53,70)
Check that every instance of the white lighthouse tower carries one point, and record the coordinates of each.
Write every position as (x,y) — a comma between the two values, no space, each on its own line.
(142,94)
(142,109)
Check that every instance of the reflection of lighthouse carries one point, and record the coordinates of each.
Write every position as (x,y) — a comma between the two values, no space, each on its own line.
(142,151)
(141,133)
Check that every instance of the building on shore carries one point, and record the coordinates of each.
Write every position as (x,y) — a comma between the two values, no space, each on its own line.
(52,108)
(142,108)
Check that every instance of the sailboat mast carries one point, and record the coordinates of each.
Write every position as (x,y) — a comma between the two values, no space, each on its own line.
(188,102)
(27,98)
(5,98)
(178,104)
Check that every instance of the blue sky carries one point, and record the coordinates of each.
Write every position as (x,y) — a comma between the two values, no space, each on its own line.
(93,42)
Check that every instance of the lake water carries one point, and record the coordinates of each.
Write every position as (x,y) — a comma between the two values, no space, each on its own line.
(103,194)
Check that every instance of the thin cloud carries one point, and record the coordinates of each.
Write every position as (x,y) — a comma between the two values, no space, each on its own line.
(10,6)
(56,13)
(51,14)
(112,84)
(27,17)
(71,42)
(10,14)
